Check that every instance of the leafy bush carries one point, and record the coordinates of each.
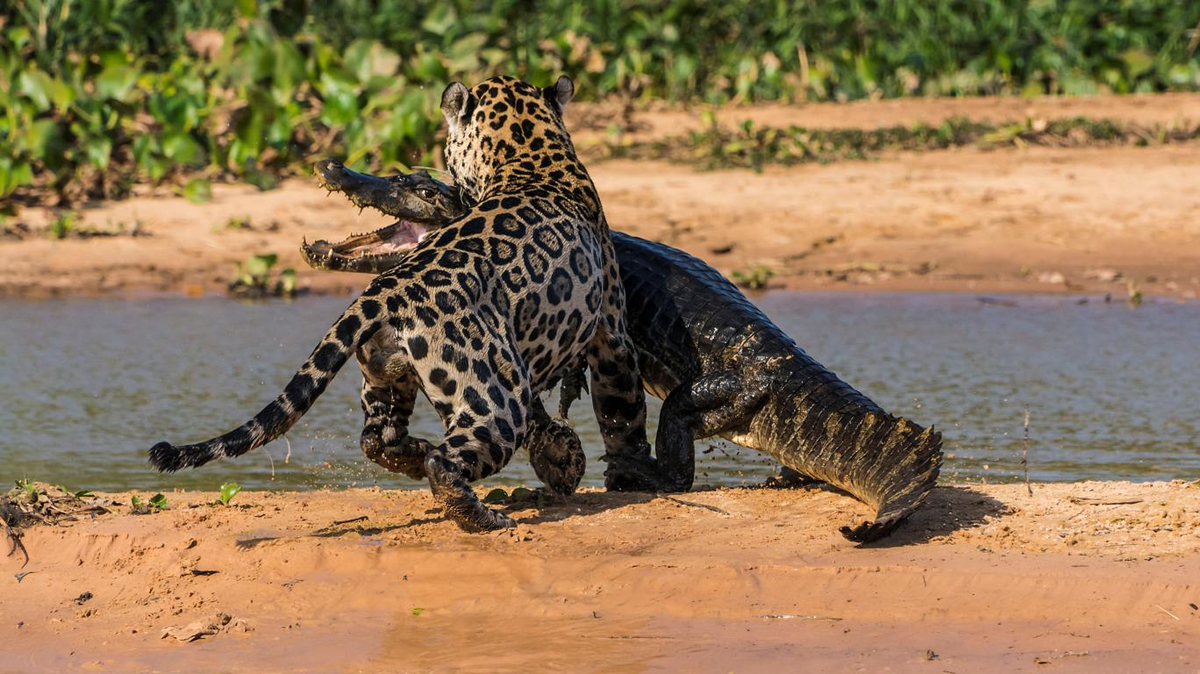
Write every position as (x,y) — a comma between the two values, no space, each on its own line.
(98,94)
(748,146)
(253,280)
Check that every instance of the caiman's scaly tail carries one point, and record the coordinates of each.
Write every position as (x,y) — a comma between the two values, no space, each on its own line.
(887,462)
(275,419)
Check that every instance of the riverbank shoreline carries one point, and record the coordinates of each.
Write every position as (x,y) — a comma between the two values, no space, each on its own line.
(1101,220)
(1075,577)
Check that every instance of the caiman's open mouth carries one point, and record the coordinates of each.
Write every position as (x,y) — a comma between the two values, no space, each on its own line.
(392,241)
(363,252)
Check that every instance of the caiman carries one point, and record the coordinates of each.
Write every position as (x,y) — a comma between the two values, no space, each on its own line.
(719,364)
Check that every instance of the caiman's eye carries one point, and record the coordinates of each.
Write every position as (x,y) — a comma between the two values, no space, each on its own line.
(426,192)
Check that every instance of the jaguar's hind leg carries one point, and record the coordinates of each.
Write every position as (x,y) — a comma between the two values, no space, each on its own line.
(387,407)
(486,410)
(469,454)
(554,452)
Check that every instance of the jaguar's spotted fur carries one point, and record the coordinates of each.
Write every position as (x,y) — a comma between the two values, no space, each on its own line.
(482,315)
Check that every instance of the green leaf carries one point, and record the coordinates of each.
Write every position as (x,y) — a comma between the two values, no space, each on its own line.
(35,85)
(181,147)
(417,611)
(523,494)
(115,81)
(228,491)
(62,94)
(263,180)
(368,59)
(260,265)
(98,150)
(13,174)
(158,502)
(496,495)
(440,19)
(198,191)
(464,53)
(287,282)
(1137,60)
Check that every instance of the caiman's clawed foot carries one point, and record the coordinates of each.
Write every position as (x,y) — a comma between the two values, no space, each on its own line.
(868,532)
(790,479)
(626,474)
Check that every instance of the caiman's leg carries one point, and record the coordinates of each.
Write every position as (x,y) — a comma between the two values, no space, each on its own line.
(790,479)
(554,452)
(574,385)
(387,407)
(702,408)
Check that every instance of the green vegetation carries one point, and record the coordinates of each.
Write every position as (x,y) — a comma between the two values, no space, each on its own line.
(752,147)
(253,279)
(755,278)
(198,191)
(156,504)
(29,490)
(30,503)
(498,496)
(1135,294)
(236,222)
(228,491)
(98,94)
(63,225)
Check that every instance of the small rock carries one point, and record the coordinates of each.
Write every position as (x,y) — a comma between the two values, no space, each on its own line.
(1102,275)
(198,629)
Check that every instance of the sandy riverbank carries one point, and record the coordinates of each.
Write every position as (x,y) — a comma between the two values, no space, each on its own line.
(1033,220)
(985,578)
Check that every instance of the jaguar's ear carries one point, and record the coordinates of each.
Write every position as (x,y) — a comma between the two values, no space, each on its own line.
(560,94)
(455,104)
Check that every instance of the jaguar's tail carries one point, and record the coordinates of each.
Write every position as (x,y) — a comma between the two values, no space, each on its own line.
(350,331)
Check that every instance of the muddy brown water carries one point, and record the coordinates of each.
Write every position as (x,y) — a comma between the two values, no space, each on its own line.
(87,386)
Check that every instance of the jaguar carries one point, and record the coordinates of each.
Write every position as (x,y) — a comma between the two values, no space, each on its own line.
(481,315)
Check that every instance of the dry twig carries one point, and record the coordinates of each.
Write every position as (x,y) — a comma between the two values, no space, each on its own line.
(1025,453)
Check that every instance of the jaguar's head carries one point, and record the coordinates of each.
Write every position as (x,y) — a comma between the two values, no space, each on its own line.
(502,122)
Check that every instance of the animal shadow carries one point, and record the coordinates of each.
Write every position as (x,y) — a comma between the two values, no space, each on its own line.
(580,504)
(947,510)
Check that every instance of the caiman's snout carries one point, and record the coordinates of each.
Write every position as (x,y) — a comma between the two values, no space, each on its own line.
(416,200)
(365,191)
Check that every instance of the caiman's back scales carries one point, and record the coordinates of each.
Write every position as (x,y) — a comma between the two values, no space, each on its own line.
(725,369)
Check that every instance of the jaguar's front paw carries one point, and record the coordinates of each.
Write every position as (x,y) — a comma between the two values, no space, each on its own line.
(556,456)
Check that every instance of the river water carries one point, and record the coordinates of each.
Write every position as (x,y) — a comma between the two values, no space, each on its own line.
(87,386)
